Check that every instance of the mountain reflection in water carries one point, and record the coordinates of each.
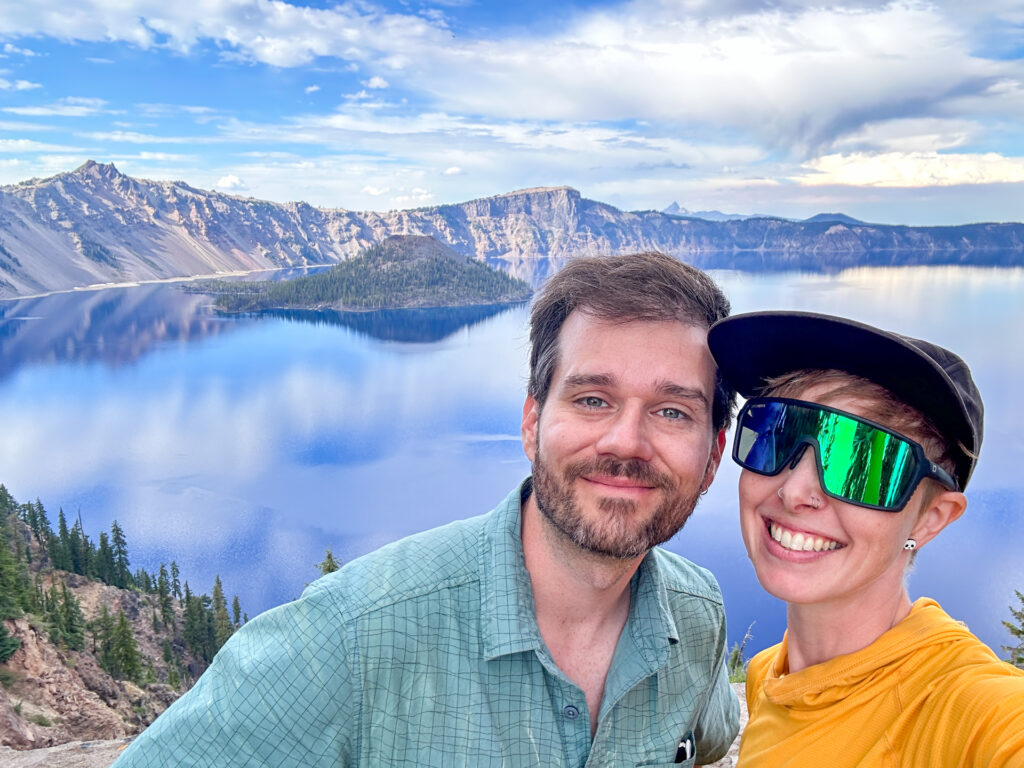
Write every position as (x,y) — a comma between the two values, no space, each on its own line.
(116,326)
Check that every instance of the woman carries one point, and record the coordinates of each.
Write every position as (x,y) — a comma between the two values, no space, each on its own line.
(856,446)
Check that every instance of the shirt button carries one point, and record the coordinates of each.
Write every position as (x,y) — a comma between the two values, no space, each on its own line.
(571,712)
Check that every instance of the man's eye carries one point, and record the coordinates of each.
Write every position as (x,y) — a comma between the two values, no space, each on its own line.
(673,414)
(592,402)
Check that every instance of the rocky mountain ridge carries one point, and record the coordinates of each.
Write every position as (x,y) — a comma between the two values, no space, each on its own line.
(95,225)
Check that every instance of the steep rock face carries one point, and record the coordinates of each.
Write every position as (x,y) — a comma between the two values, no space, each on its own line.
(95,225)
(52,690)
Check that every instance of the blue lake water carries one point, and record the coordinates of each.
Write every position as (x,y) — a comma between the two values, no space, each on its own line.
(245,446)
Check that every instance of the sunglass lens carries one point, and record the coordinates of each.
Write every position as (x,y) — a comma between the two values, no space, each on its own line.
(857,461)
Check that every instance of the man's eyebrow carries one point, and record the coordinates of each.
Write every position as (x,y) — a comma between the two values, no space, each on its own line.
(681,392)
(578,380)
(667,388)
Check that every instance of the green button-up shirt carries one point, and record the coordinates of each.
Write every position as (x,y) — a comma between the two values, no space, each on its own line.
(427,652)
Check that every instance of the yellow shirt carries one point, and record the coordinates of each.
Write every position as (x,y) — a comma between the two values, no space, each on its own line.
(926,693)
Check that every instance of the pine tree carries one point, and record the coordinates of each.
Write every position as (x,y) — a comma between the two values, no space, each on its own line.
(163,590)
(119,546)
(328,564)
(103,564)
(11,584)
(125,656)
(175,582)
(61,554)
(222,627)
(72,620)
(8,644)
(1016,628)
(236,612)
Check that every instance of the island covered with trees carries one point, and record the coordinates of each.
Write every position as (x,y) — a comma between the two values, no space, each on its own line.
(400,272)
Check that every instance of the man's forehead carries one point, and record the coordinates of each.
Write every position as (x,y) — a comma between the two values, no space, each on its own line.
(671,356)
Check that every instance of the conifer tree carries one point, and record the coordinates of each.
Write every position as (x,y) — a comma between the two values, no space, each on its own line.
(126,661)
(328,564)
(1016,628)
(175,580)
(163,590)
(103,563)
(11,584)
(222,627)
(72,620)
(236,612)
(119,546)
(8,643)
(61,554)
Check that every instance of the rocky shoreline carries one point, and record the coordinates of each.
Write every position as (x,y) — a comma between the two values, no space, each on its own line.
(100,754)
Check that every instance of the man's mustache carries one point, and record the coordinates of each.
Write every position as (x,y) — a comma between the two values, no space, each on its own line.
(637,470)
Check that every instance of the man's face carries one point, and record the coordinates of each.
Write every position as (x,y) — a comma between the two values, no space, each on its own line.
(624,444)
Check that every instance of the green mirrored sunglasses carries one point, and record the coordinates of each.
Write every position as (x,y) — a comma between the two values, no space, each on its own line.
(859,461)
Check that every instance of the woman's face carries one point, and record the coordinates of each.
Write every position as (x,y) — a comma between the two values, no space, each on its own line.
(856,554)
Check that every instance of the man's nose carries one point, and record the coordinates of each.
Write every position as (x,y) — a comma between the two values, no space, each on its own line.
(626,435)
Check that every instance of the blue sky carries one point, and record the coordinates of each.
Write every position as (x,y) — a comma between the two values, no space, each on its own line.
(897,112)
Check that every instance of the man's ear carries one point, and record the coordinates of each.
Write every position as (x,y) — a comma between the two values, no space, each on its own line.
(531,416)
(942,509)
(717,450)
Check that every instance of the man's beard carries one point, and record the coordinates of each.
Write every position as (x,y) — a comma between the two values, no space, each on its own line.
(616,533)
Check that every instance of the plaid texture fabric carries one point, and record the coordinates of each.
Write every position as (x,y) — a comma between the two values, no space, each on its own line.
(427,652)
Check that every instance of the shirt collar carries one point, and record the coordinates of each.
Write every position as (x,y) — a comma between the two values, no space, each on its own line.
(509,615)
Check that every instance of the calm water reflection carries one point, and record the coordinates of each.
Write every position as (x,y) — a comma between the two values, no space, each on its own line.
(245,446)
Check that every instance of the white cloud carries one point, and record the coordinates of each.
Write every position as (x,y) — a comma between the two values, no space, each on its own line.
(912,169)
(453,170)
(375,191)
(312,88)
(10,49)
(11,125)
(18,146)
(793,75)
(231,183)
(67,107)
(131,137)
(18,85)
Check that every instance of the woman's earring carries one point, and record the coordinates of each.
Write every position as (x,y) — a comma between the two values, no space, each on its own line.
(910,544)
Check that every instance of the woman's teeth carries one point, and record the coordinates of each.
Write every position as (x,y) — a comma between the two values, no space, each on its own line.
(799,542)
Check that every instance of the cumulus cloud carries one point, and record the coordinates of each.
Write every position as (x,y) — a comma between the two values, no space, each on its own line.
(231,183)
(312,88)
(794,75)
(912,169)
(453,170)
(10,49)
(17,85)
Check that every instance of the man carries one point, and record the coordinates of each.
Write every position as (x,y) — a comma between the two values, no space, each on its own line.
(548,632)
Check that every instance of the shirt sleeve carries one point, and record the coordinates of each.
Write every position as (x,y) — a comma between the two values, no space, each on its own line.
(719,721)
(279,693)
(990,716)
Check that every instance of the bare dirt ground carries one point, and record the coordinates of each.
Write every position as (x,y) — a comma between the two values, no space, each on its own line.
(100,754)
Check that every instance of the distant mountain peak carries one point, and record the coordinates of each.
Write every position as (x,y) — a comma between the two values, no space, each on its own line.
(97,170)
